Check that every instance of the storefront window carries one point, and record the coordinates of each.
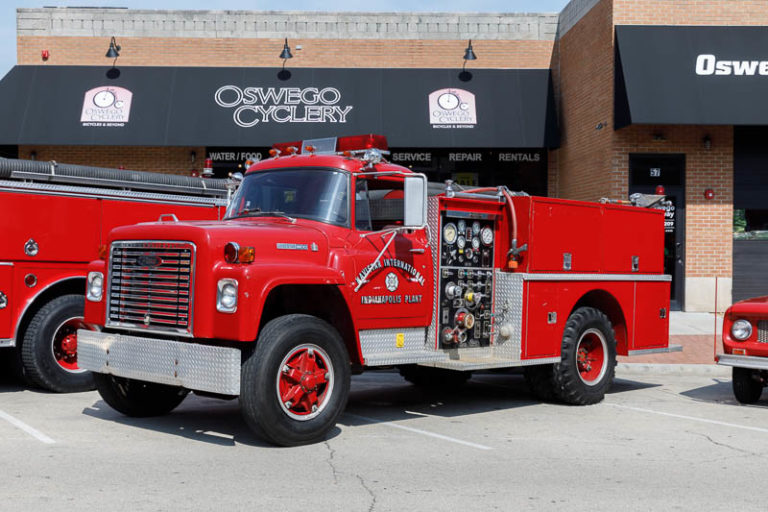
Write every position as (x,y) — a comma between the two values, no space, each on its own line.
(750,224)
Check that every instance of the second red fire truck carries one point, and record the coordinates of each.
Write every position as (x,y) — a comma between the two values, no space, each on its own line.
(332,263)
(55,220)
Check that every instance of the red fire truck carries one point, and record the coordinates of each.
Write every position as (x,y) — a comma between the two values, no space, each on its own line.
(331,263)
(745,334)
(55,221)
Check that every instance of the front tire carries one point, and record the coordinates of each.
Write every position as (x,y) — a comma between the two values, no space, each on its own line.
(137,398)
(49,347)
(295,385)
(588,362)
(747,385)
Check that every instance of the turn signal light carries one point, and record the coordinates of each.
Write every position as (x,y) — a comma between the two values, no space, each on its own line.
(233,253)
(739,352)
(246,255)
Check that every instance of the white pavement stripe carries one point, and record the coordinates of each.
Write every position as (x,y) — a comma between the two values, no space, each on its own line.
(26,428)
(692,418)
(419,431)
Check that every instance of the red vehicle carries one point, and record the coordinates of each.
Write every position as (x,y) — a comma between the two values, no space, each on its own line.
(328,264)
(745,343)
(56,221)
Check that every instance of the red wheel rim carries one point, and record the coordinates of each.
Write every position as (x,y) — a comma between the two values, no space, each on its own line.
(64,345)
(304,382)
(591,354)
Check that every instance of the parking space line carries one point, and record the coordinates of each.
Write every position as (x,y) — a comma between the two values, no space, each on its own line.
(26,428)
(419,431)
(692,418)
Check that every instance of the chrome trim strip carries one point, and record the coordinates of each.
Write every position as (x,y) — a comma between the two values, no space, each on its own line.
(188,332)
(7,342)
(662,350)
(543,360)
(103,193)
(6,264)
(596,277)
(755,363)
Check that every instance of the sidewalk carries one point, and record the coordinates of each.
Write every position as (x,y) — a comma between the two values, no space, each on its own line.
(695,332)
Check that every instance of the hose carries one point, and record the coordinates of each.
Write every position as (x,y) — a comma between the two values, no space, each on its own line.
(54,172)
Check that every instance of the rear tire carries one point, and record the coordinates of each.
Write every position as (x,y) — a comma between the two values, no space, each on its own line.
(295,385)
(588,362)
(137,398)
(747,385)
(49,347)
(434,378)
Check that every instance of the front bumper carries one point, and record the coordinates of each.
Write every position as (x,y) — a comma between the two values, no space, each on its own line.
(756,363)
(176,363)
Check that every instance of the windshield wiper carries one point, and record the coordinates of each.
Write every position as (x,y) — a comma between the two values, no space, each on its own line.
(258,213)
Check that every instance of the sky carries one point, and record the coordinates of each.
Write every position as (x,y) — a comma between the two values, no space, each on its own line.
(8,10)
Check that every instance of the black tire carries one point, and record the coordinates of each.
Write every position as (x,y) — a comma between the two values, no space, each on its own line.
(137,398)
(582,383)
(282,339)
(40,365)
(434,378)
(540,381)
(747,385)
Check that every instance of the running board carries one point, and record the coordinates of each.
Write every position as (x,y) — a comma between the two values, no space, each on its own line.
(409,357)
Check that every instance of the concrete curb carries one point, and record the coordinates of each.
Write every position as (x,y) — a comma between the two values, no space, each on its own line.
(709,370)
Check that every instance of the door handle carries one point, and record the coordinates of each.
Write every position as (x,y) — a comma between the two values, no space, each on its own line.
(419,250)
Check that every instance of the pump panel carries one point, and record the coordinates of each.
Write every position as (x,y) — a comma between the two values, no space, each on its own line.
(465,290)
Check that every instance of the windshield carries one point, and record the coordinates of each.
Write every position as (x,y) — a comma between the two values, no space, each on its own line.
(306,193)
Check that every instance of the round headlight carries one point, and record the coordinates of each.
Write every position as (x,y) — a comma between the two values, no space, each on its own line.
(228,295)
(741,330)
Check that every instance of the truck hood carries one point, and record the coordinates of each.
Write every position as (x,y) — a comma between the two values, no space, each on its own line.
(756,305)
(273,238)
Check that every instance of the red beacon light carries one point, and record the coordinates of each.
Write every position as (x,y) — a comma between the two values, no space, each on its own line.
(361,143)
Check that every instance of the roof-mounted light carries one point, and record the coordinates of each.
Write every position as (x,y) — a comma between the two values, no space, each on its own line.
(342,145)
(372,156)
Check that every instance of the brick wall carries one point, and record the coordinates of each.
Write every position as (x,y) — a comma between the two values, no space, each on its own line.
(582,68)
(690,12)
(176,160)
(336,53)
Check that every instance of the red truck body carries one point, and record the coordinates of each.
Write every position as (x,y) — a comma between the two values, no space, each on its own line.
(489,279)
(745,347)
(49,235)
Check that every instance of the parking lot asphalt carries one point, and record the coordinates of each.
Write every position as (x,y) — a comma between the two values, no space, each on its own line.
(657,442)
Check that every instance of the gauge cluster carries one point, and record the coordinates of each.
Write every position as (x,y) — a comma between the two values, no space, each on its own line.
(466,279)
(467,243)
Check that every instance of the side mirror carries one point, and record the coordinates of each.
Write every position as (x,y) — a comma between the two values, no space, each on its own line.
(415,201)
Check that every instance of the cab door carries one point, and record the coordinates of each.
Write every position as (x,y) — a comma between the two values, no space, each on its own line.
(393,277)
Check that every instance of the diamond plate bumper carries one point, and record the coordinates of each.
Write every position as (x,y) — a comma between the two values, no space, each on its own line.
(190,365)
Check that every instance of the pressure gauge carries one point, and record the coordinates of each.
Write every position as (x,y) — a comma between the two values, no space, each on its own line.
(487,235)
(475,243)
(449,233)
(475,228)
(461,242)
(462,227)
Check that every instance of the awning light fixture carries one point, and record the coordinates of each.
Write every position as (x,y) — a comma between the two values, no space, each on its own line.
(286,53)
(469,54)
(114,49)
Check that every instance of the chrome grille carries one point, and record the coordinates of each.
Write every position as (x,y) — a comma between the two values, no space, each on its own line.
(151,286)
(762,331)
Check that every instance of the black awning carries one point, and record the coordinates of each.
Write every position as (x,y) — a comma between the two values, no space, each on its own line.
(691,75)
(177,106)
